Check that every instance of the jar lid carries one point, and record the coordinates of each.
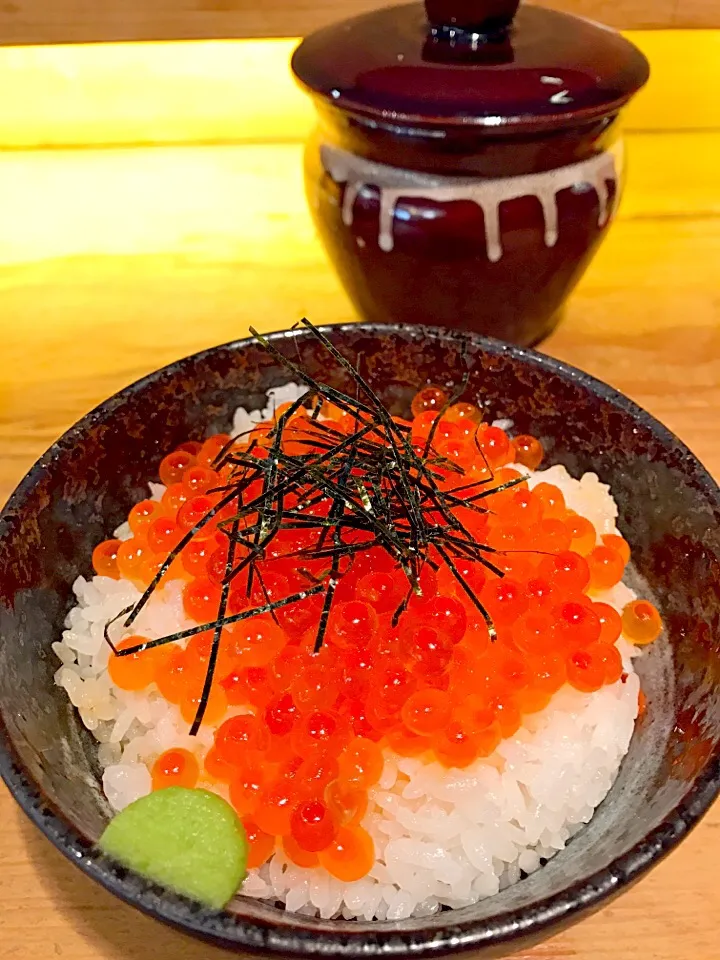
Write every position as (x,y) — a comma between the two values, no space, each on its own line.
(481,63)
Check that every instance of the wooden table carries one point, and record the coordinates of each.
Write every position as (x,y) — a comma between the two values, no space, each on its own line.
(78,323)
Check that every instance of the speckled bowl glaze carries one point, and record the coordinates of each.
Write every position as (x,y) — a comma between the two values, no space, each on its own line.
(669,511)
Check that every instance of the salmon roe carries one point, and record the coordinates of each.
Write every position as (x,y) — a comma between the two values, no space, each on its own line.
(174,466)
(175,768)
(430,399)
(163,535)
(104,559)
(135,671)
(606,568)
(218,769)
(299,737)
(528,451)
(215,707)
(619,544)
(467,415)
(261,845)
(297,855)
(641,622)
(583,536)
(131,555)
(142,515)
(172,674)
(350,855)
(313,826)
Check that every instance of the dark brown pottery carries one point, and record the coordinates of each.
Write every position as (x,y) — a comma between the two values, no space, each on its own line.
(669,511)
(465,164)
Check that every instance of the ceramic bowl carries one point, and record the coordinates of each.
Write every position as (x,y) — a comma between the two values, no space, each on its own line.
(669,511)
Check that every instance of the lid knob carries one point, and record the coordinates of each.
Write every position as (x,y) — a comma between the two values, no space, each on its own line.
(471,16)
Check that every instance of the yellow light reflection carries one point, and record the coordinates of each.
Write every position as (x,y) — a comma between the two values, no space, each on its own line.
(239,91)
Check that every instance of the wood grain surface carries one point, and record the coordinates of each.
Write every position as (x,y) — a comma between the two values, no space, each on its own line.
(242,91)
(79,21)
(115,262)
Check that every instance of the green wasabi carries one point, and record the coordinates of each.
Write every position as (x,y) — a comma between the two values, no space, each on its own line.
(189,840)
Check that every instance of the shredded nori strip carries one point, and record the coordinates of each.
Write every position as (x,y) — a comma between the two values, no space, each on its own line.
(364,490)
(224,622)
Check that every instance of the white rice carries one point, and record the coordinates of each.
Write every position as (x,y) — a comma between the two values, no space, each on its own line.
(442,837)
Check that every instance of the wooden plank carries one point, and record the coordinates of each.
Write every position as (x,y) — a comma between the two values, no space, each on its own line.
(241,91)
(80,21)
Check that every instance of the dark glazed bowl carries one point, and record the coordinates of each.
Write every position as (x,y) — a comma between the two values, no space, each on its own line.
(669,511)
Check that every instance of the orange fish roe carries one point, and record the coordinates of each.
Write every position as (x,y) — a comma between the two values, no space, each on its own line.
(211,449)
(104,559)
(175,768)
(198,480)
(641,622)
(131,556)
(247,785)
(174,466)
(346,803)
(171,674)
(218,769)
(467,415)
(610,622)
(583,536)
(619,544)
(431,679)
(201,599)
(163,535)
(606,568)
(297,855)
(215,709)
(136,671)
(261,845)
(173,498)
(312,825)
(360,763)
(142,515)
(528,451)
(454,745)
(350,855)
(430,399)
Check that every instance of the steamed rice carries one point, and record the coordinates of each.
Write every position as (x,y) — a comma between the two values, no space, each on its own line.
(442,837)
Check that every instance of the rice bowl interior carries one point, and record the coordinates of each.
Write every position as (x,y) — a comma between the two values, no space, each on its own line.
(443,837)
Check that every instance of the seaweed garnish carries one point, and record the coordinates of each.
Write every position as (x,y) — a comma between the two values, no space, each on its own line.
(367,485)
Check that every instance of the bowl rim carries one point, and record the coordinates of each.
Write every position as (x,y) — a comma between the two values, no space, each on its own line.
(263,937)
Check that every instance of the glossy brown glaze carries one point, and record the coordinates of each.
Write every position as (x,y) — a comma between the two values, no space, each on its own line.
(389,66)
(440,268)
(669,511)
(435,97)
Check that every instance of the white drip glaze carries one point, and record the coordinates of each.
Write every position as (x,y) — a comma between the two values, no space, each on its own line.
(394,183)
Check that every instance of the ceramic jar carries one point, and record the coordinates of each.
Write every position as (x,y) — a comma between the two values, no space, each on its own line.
(467,159)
